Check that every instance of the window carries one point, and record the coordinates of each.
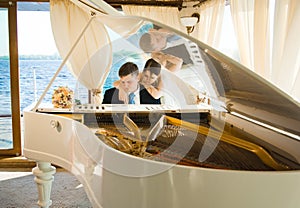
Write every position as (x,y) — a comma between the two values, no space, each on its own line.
(10,138)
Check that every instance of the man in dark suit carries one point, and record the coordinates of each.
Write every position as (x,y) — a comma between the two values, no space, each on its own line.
(129,90)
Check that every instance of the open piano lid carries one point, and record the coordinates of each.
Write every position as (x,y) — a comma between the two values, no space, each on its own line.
(229,85)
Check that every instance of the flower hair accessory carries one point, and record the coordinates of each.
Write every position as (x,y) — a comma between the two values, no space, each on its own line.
(62,97)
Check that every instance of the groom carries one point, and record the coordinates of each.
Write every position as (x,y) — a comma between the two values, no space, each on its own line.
(134,92)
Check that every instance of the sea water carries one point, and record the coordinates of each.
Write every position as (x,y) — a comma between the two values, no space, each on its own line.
(35,76)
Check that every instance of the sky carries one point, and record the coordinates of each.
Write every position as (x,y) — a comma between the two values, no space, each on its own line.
(4,33)
(34,33)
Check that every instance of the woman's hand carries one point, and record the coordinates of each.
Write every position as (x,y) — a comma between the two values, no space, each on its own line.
(170,62)
(159,57)
(123,95)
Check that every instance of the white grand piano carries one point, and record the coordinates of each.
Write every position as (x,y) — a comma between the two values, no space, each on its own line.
(223,137)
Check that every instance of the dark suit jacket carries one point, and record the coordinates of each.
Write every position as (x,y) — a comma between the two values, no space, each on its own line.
(111,96)
(179,51)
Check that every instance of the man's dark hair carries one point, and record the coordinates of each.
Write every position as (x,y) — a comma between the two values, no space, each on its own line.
(145,43)
(128,68)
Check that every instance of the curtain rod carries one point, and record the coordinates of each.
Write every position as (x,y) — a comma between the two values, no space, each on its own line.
(119,3)
(171,3)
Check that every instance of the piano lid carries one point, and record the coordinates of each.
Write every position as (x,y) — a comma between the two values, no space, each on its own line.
(112,38)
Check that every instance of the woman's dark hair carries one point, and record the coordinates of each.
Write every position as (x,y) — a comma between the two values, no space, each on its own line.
(153,66)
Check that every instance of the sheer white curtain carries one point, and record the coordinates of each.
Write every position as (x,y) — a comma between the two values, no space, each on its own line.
(86,62)
(156,13)
(85,40)
(273,54)
(251,23)
(208,30)
(286,47)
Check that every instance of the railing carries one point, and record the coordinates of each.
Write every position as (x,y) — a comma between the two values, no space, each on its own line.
(5,115)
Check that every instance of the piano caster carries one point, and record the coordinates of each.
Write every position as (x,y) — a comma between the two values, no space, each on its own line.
(43,177)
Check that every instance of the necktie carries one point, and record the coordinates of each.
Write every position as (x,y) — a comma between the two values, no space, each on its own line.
(131,98)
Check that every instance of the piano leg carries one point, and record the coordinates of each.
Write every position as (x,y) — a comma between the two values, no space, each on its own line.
(43,177)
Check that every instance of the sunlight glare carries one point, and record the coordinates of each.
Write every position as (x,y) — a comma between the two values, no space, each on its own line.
(35,34)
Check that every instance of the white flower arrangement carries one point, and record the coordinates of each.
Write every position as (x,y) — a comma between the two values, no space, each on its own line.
(62,97)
